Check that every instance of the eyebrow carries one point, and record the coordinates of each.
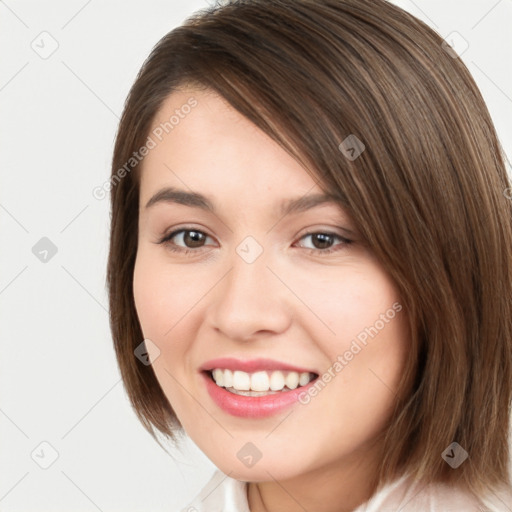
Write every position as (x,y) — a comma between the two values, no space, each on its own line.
(196,200)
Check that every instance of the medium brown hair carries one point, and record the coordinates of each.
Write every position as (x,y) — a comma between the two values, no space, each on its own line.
(426,194)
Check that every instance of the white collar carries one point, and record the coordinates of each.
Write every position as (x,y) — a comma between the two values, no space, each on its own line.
(225,494)
(221,494)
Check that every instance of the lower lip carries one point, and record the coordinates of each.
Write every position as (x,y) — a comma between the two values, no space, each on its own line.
(252,406)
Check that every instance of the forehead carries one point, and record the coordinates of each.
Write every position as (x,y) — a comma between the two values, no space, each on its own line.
(211,147)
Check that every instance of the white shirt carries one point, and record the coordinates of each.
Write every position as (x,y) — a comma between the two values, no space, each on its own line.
(224,494)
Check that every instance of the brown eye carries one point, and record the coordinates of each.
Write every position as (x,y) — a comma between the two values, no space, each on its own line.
(185,240)
(323,242)
(193,238)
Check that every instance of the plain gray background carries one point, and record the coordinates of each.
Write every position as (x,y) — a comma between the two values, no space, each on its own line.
(60,385)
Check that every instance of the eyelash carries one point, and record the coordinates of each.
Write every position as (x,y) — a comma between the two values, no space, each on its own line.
(166,240)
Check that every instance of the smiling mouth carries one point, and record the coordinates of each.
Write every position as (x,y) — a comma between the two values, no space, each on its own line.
(260,383)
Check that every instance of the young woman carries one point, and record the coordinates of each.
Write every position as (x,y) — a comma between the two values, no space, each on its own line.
(310,266)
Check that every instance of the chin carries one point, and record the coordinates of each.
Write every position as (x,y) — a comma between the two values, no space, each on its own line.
(262,471)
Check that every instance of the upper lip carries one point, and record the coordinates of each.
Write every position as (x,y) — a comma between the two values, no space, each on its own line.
(251,365)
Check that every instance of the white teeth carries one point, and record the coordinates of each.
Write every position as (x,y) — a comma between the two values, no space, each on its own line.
(218,377)
(292,380)
(261,383)
(228,378)
(277,381)
(303,379)
(241,381)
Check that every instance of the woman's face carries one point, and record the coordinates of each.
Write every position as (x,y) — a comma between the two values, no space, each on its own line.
(261,291)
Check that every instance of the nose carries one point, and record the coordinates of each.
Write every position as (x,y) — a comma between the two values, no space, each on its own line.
(251,300)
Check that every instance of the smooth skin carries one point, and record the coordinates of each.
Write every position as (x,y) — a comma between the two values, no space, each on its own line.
(295,303)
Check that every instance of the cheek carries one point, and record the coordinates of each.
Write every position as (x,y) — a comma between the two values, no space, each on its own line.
(168,303)
(363,329)
(163,294)
(162,298)
(148,294)
(346,302)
